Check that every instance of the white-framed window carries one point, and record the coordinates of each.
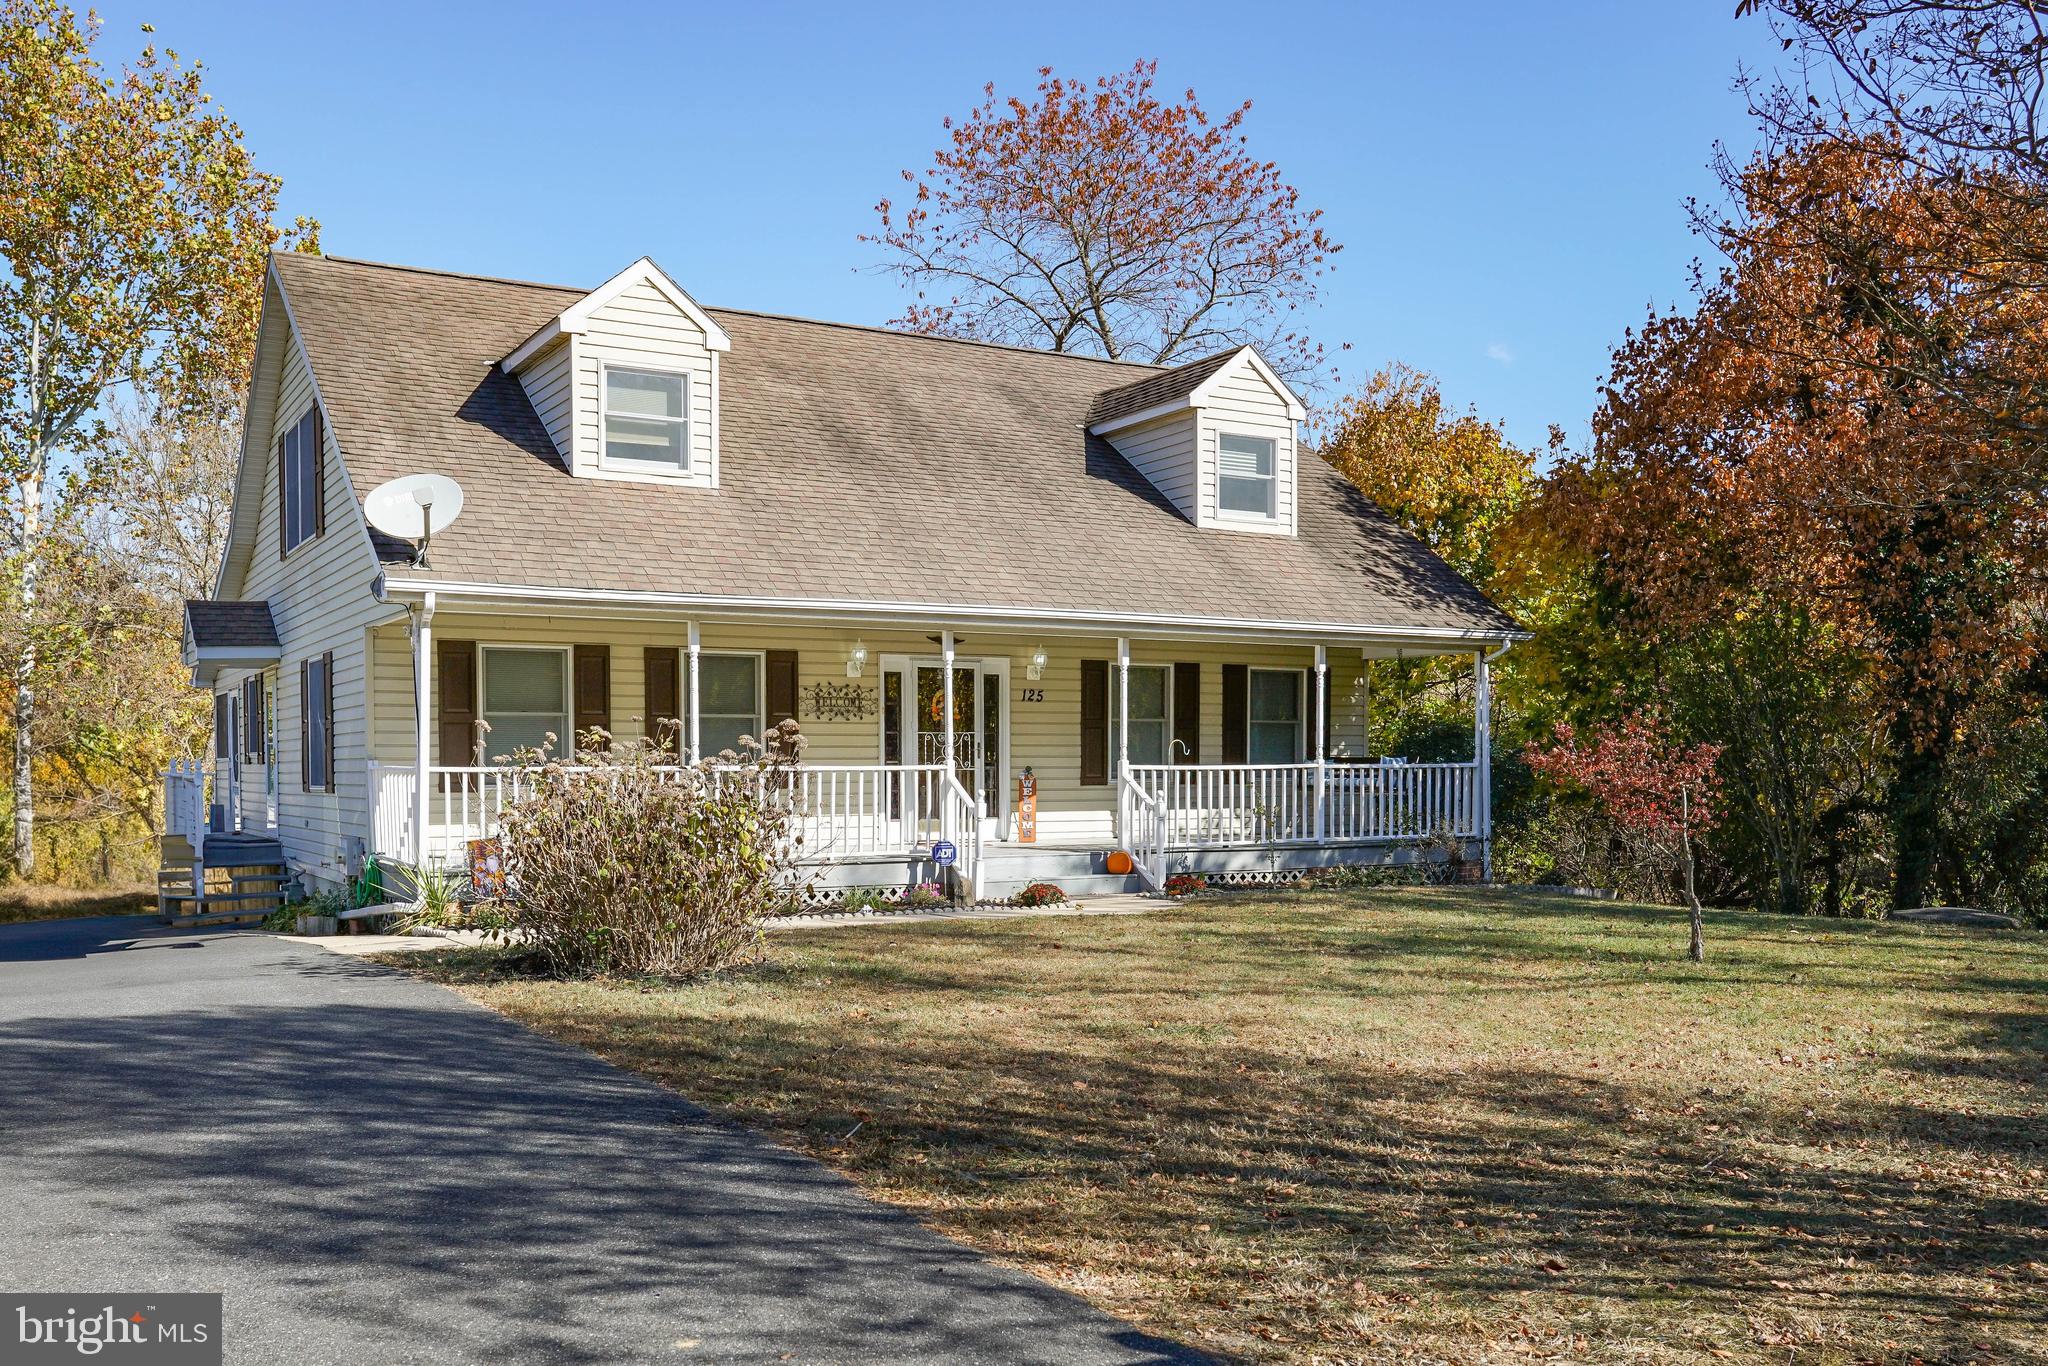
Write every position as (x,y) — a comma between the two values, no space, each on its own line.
(299,483)
(1246,485)
(646,418)
(525,695)
(316,723)
(1151,714)
(1273,724)
(729,705)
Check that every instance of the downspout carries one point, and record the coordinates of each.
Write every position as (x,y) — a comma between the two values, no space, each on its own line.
(422,665)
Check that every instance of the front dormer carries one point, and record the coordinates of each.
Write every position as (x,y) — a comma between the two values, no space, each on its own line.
(1216,437)
(626,381)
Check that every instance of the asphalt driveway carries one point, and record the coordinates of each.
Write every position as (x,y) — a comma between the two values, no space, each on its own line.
(371,1169)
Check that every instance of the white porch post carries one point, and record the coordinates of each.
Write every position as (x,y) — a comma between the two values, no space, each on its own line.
(1322,734)
(1482,759)
(947,740)
(423,735)
(1123,706)
(690,738)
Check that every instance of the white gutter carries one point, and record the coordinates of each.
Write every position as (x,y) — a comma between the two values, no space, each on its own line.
(927,613)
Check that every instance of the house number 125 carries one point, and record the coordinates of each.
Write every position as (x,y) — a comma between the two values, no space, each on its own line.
(1034,694)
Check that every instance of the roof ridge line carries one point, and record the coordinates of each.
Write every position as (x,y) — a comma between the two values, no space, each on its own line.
(1151,367)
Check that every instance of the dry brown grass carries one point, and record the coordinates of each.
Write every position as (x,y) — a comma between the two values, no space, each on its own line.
(1442,1126)
(36,901)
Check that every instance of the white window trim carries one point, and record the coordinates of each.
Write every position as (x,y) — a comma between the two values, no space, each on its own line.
(1303,700)
(645,468)
(1116,714)
(483,693)
(310,471)
(1223,514)
(760,658)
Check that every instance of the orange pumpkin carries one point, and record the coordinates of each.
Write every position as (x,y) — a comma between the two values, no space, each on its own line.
(1119,862)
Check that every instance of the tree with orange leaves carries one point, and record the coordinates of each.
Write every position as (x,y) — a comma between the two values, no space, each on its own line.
(1102,219)
(1813,433)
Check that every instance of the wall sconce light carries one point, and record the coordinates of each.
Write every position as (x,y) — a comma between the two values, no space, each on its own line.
(1035,668)
(857,659)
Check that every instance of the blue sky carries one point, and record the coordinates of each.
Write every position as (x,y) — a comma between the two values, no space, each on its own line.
(1508,178)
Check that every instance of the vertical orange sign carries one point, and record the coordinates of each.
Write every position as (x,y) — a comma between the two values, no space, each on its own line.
(1027,807)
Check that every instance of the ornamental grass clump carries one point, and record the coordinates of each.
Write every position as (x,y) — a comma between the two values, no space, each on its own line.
(625,863)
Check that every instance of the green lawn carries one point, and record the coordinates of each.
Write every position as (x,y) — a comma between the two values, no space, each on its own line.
(34,901)
(1428,1125)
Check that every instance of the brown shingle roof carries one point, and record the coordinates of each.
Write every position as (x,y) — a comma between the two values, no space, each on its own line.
(1163,387)
(236,625)
(856,464)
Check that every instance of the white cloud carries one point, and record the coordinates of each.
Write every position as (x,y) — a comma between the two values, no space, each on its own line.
(1498,351)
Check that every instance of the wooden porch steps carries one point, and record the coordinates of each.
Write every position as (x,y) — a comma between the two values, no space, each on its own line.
(232,880)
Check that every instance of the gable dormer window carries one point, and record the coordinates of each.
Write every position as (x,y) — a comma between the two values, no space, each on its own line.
(646,422)
(302,511)
(1245,479)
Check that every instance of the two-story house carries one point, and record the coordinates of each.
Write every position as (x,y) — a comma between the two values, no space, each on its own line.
(951,562)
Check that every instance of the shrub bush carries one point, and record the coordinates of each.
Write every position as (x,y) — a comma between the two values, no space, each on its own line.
(1041,894)
(620,864)
(1185,884)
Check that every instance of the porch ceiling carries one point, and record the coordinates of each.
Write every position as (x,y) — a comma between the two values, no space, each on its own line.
(1374,642)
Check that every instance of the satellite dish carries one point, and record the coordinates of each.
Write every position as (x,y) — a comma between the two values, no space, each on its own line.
(413,507)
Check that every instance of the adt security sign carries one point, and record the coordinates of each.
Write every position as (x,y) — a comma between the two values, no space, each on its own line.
(944,853)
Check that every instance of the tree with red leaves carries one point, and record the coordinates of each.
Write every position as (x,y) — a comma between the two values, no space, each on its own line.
(1104,220)
(1656,796)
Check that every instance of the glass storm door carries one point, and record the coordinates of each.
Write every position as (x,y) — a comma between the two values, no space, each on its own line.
(977,727)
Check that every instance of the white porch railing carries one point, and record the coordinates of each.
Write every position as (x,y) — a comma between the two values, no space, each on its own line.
(1141,819)
(960,822)
(185,800)
(1211,806)
(842,810)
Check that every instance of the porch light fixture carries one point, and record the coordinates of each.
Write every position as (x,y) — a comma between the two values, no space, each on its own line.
(1035,668)
(857,659)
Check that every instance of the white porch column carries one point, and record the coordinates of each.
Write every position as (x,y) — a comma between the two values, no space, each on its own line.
(947,739)
(1322,734)
(947,730)
(690,713)
(1482,758)
(1123,706)
(423,735)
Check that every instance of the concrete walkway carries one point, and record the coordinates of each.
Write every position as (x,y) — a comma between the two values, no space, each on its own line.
(368,945)
(371,1169)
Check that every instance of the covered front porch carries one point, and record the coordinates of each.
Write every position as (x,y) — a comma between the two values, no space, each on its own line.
(1186,749)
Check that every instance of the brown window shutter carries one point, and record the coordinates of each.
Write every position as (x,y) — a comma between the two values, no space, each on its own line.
(1187,714)
(664,696)
(1237,691)
(1094,722)
(455,661)
(779,687)
(223,726)
(327,713)
(593,693)
(305,727)
(316,434)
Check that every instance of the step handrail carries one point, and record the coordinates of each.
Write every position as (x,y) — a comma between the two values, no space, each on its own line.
(1143,827)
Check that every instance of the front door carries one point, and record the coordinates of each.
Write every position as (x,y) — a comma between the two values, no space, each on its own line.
(917,688)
